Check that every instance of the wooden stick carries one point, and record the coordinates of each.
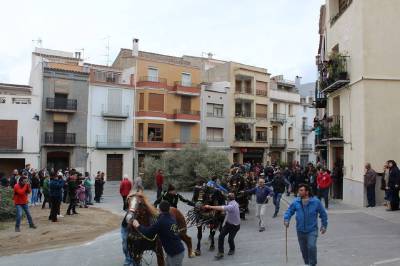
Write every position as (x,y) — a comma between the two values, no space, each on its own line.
(287,259)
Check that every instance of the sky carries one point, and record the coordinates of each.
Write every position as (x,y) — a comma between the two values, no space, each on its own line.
(280,35)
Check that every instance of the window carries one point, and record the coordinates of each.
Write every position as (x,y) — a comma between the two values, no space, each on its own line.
(290,133)
(261,88)
(155,132)
(186,79)
(156,102)
(21,100)
(215,110)
(2,99)
(141,132)
(104,76)
(261,111)
(215,134)
(141,101)
(302,100)
(305,109)
(261,134)
(290,110)
(153,74)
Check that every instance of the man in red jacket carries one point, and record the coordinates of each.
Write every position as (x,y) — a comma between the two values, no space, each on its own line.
(324,181)
(124,189)
(21,191)
(159,182)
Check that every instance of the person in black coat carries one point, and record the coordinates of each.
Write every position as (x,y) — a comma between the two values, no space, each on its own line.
(393,185)
(72,186)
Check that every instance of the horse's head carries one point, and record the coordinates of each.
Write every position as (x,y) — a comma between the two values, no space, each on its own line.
(138,205)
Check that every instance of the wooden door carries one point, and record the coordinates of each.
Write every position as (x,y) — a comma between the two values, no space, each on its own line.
(114,167)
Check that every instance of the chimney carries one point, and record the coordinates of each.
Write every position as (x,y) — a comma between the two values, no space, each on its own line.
(210,55)
(78,55)
(297,81)
(135,47)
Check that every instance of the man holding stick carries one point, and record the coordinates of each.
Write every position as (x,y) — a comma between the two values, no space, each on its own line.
(307,210)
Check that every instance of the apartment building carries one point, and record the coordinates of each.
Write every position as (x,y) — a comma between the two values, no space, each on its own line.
(358,89)
(285,120)
(110,122)
(64,85)
(215,110)
(167,101)
(19,127)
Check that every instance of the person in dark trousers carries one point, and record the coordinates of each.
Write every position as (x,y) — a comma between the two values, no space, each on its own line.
(102,184)
(278,184)
(56,185)
(307,209)
(324,182)
(167,230)
(97,188)
(370,183)
(72,186)
(124,190)
(124,237)
(46,191)
(35,184)
(231,226)
(159,182)
(172,197)
(393,185)
(21,191)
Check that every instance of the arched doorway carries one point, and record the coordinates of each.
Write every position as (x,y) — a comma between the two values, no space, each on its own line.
(58,160)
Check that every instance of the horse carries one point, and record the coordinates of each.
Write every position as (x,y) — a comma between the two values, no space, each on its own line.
(142,210)
(199,217)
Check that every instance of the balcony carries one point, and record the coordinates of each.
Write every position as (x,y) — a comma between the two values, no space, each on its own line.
(59,139)
(115,112)
(305,130)
(278,118)
(152,82)
(187,89)
(262,93)
(334,129)
(306,147)
(11,144)
(181,115)
(261,139)
(320,99)
(277,143)
(243,137)
(261,116)
(244,117)
(334,74)
(108,77)
(61,105)
(165,144)
(105,142)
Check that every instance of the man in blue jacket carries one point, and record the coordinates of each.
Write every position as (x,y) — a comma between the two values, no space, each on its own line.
(307,210)
(167,229)
(262,194)
(55,192)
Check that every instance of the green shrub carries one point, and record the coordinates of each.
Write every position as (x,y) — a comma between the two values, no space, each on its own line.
(7,208)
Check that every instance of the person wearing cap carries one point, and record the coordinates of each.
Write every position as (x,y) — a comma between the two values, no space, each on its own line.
(172,197)
(167,230)
(21,191)
(124,189)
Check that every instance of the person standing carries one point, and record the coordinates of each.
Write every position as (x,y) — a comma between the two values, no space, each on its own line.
(21,191)
(5,182)
(88,189)
(167,229)
(56,185)
(369,183)
(72,186)
(46,191)
(102,182)
(14,178)
(124,237)
(231,226)
(124,190)
(307,209)
(97,188)
(172,197)
(262,194)
(393,185)
(278,184)
(159,182)
(324,181)
(35,188)
(138,183)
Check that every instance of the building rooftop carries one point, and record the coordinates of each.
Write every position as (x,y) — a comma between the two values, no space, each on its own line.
(66,67)
(15,88)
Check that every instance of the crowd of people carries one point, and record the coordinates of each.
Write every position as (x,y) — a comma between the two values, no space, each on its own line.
(51,187)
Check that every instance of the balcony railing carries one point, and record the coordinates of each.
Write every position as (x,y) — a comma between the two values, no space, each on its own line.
(243,137)
(107,142)
(11,144)
(244,91)
(244,114)
(186,84)
(279,118)
(262,139)
(261,116)
(334,74)
(277,143)
(334,129)
(306,129)
(61,104)
(320,99)
(59,138)
(151,81)
(262,93)
(186,112)
(306,147)
(115,111)
(166,144)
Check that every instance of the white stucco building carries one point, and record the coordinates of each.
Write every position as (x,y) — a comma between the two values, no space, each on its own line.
(19,127)
(110,122)
(214,115)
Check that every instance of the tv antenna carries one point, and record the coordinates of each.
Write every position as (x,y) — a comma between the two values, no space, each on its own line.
(38,42)
(107,55)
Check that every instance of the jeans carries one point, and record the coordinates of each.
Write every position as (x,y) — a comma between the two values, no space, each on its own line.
(231,230)
(54,208)
(277,201)
(124,203)
(175,260)
(371,195)
(308,247)
(25,208)
(34,196)
(71,206)
(260,212)
(324,193)
(124,237)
